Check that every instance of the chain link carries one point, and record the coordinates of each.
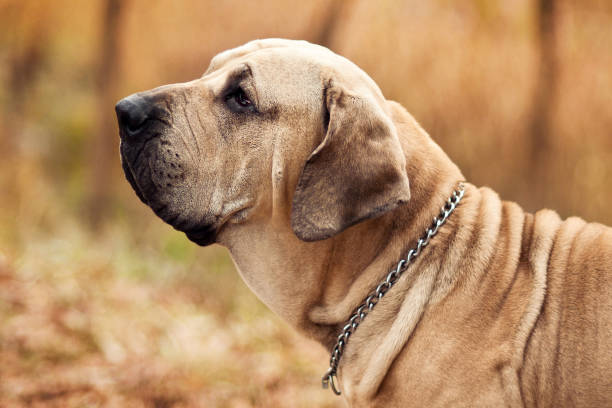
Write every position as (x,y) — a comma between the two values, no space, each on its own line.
(329,379)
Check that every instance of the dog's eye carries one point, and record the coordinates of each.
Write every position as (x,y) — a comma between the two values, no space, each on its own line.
(242,99)
(239,100)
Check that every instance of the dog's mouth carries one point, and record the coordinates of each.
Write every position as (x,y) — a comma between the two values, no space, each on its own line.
(202,233)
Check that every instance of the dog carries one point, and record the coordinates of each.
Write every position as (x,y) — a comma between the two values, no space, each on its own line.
(289,156)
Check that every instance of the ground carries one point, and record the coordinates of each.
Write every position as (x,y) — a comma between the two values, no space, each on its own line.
(119,319)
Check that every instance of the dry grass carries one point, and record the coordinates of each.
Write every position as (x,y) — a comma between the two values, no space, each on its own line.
(120,319)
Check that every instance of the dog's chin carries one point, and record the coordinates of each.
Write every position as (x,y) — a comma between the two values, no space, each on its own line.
(202,236)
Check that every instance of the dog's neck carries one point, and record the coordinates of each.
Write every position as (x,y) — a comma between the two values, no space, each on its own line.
(316,286)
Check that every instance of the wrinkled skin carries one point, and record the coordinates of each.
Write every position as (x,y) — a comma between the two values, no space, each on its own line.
(289,155)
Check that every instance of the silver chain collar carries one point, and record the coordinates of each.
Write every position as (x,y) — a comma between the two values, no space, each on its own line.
(368,304)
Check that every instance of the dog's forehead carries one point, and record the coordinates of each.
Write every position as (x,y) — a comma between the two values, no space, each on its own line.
(271,47)
(286,57)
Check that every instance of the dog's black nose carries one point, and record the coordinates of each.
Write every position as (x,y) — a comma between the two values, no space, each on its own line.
(133,112)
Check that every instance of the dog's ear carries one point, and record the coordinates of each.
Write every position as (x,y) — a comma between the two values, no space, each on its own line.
(358,171)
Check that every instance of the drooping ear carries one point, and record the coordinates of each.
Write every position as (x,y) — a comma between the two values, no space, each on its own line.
(358,171)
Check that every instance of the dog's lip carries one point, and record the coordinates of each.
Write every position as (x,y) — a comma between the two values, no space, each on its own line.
(131,178)
(148,129)
(202,235)
(205,232)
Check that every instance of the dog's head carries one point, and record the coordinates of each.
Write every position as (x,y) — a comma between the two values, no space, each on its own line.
(275,128)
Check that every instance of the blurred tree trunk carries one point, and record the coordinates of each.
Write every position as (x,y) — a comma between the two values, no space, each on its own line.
(541,116)
(24,67)
(103,150)
(26,58)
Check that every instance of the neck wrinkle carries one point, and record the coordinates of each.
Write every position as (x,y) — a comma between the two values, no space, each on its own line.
(348,278)
(394,323)
(378,245)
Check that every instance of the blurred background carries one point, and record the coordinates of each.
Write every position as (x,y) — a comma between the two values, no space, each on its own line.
(101,304)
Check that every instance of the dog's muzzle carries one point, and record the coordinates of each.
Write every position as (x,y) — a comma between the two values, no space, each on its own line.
(153,164)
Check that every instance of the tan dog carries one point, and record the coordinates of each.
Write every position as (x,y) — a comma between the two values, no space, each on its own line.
(283,145)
